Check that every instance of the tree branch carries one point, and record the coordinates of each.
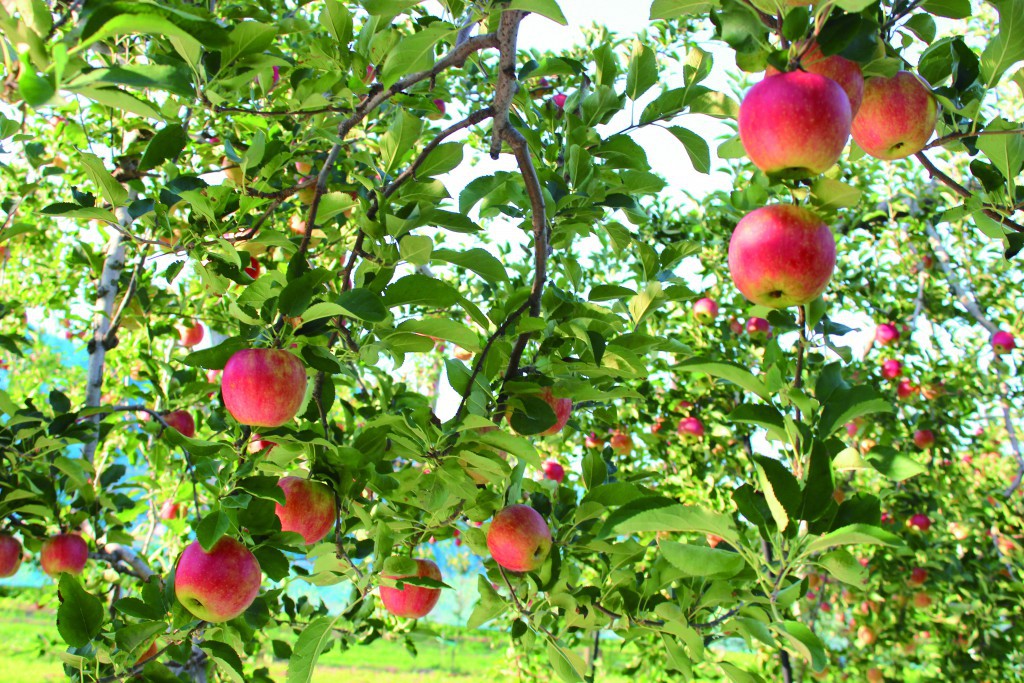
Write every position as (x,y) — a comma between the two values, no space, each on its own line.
(937,174)
(111,338)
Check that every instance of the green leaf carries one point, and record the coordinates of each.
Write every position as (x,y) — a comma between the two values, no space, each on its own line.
(894,465)
(643,71)
(610,293)
(803,640)
(832,194)
(414,52)
(132,637)
(701,561)
(310,644)
(595,470)
(490,606)
(124,17)
(479,261)
(338,20)
(1005,151)
(400,137)
(441,328)
(953,9)
(416,249)
(442,159)
(34,89)
(1007,48)
(696,148)
(211,528)
(247,37)
(363,304)
(545,8)
(673,9)
(846,405)
(111,190)
(80,615)
(569,666)
(216,357)
(166,144)
(781,489)
(728,371)
(738,675)
(226,655)
(854,534)
(844,567)
(663,514)
(764,416)
(420,290)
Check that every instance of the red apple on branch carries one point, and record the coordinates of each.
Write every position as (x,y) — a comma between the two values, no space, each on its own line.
(891,369)
(64,553)
(781,256)
(562,408)
(592,440)
(412,602)
(1003,342)
(921,522)
(705,310)
(169,510)
(896,117)
(553,470)
(253,270)
(10,555)
(438,110)
(758,328)
(690,427)
(519,539)
(906,389)
(148,654)
(181,421)
(621,442)
(308,508)
(190,335)
(263,387)
(796,124)
(918,575)
(886,334)
(218,585)
(558,99)
(924,438)
(841,70)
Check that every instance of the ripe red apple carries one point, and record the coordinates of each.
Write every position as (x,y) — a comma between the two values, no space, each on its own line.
(896,117)
(10,555)
(921,522)
(181,420)
(690,427)
(190,335)
(259,444)
(308,508)
(758,328)
(263,387)
(519,539)
(918,575)
(891,369)
(905,389)
(253,270)
(866,636)
(593,441)
(713,539)
(852,428)
(705,310)
(558,99)
(735,325)
(781,256)
(562,408)
(841,70)
(64,553)
(796,124)
(1003,342)
(886,334)
(148,654)
(169,510)
(924,438)
(922,600)
(412,602)
(621,442)
(553,470)
(218,585)
(438,111)
(303,168)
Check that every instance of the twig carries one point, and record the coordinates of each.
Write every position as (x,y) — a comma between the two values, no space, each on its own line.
(133,284)
(965,298)
(282,112)
(934,171)
(952,137)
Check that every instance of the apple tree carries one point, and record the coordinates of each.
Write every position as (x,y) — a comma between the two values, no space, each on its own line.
(291,290)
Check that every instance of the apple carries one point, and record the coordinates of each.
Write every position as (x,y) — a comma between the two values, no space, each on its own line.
(866,636)
(464,355)
(896,117)
(190,335)
(10,555)
(891,369)
(886,334)
(303,168)
(796,124)
(307,194)
(593,441)
(148,654)
(918,575)
(920,522)
(1003,342)
(659,422)
(875,675)
(713,539)
(735,326)
(690,427)
(905,389)
(621,442)
(781,256)
(371,73)
(841,70)
(852,428)
(519,539)
(308,508)
(253,270)
(412,602)
(263,387)
(933,390)
(169,510)
(232,171)
(958,531)
(705,310)
(558,99)
(437,112)
(181,421)
(259,444)
(814,581)
(218,585)
(758,328)
(922,600)
(924,438)
(562,408)
(63,553)
(553,470)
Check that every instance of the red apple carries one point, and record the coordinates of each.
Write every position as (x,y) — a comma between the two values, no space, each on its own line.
(705,310)
(795,124)
(905,389)
(758,328)
(562,408)
(253,270)
(182,422)
(918,575)
(218,585)
(519,539)
(920,522)
(891,369)
(308,508)
(896,117)
(851,428)
(169,510)
(866,636)
(148,654)
(438,111)
(781,256)
(263,387)
(10,555)
(958,531)
(922,600)
(621,442)
(303,168)
(924,438)
(735,326)
(553,470)
(1003,342)
(593,441)
(190,335)
(886,334)
(412,602)
(713,539)
(64,553)
(841,70)
(259,444)
(558,99)
(690,427)
(875,675)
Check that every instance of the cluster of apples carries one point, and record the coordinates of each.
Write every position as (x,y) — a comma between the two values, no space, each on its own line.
(795,125)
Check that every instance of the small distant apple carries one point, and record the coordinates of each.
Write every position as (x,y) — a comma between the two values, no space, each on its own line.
(148,654)
(922,600)
(182,422)
(64,553)
(263,387)
(303,168)
(169,510)
(896,117)
(958,531)
(592,440)
(1003,342)
(190,335)
(918,575)
(905,389)
(621,442)
(735,326)
(705,310)
(412,602)
(308,508)
(519,539)
(924,438)
(852,428)
(232,171)
(713,539)
(875,675)
(253,270)
(690,427)
(866,636)
(10,555)
(921,522)
(437,112)
(758,328)
(886,334)
(553,470)
(259,444)
(892,368)
(558,99)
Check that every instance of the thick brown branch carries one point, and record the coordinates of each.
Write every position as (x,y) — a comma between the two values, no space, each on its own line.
(934,171)
(482,356)
(505,90)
